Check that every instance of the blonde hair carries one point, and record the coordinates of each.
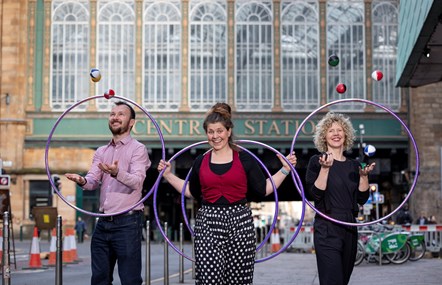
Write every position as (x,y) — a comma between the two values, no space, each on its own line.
(319,138)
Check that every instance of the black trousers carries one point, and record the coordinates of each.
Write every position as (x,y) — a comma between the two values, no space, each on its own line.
(335,247)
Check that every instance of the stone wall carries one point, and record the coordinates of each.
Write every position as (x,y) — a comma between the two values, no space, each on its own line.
(426,127)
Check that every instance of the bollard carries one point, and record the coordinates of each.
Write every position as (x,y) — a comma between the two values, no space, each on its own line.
(6,258)
(193,255)
(166,257)
(59,253)
(181,257)
(266,246)
(147,269)
(258,241)
(380,251)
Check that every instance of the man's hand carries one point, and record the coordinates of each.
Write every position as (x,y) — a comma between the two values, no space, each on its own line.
(111,169)
(80,180)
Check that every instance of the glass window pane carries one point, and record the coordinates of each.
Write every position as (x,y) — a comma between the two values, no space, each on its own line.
(385,30)
(116,50)
(162,55)
(254,56)
(70,54)
(299,56)
(208,58)
(345,38)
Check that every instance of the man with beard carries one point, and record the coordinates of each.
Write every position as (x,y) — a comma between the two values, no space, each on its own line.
(118,170)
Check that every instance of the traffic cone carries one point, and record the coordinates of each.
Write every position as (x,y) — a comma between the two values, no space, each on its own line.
(67,253)
(35,259)
(53,249)
(73,247)
(274,240)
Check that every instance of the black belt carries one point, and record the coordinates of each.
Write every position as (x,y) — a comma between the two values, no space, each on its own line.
(112,218)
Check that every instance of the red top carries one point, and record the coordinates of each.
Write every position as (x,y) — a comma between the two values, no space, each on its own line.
(232,184)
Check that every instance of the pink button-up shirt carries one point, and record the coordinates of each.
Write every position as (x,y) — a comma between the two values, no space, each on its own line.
(123,191)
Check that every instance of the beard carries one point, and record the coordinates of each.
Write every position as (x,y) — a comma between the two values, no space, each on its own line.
(123,128)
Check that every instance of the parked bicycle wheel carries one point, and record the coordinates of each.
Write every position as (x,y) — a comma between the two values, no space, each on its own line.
(360,254)
(375,259)
(418,247)
(400,256)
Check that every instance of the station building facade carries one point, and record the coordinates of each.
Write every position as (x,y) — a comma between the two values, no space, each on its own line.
(174,59)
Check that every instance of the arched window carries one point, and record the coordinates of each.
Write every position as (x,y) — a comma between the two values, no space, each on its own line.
(385,32)
(345,38)
(69,53)
(208,57)
(116,49)
(254,56)
(299,56)
(162,56)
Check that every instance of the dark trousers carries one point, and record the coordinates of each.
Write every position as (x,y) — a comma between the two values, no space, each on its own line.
(335,247)
(80,236)
(117,240)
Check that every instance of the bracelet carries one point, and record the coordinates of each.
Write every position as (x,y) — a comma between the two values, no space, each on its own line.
(85,181)
(283,171)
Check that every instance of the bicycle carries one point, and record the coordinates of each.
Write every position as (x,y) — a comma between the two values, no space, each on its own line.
(417,246)
(388,246)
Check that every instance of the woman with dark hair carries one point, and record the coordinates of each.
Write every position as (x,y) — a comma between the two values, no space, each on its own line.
(221,180)
(337,184)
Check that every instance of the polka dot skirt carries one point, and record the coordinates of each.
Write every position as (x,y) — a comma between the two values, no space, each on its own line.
(224,245)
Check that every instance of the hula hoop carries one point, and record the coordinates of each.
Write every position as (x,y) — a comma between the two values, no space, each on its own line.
(183,202)
(275,193)
(409,134)
(49,142)
(275,216)
(300,188)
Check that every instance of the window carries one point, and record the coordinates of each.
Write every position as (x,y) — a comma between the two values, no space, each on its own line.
(208,58)
(162,56)
(385,31)
(299,55)
(345,38)
(116,50)
(254,56)
(40,194)
(70,53)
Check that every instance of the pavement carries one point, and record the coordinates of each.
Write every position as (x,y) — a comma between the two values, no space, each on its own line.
(300,269)
(285,268)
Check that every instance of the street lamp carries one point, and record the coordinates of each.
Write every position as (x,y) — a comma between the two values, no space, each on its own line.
(361,142)
(374,188)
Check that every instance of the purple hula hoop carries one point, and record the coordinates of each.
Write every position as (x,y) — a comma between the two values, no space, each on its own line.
(275,216)
(49,142)
(300,189)
(274,187)
(409,134)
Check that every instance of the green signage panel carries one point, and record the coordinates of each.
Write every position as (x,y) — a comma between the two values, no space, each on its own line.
(192,128)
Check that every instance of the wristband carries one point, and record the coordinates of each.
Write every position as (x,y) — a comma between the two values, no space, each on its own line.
(85,181)
(283,171)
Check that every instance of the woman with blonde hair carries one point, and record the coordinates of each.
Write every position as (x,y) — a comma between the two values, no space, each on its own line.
(338,184)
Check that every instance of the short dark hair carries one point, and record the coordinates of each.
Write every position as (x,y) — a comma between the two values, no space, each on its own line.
(132,111)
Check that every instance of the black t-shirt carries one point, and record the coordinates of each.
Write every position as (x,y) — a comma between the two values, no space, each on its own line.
(341,194)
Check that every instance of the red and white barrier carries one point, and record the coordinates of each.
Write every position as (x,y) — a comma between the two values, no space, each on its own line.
(432,234)
(303,241)
(422,228)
